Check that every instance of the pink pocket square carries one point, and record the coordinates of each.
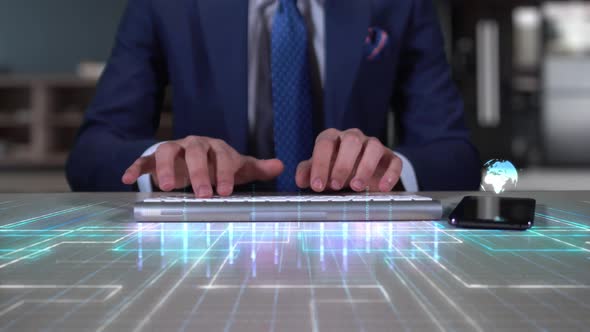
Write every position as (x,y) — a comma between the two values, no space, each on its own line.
(375,43)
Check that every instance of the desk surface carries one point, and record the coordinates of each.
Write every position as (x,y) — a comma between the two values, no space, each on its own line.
(79,262)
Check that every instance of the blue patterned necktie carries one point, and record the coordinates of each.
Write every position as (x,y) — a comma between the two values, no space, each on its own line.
(291,92)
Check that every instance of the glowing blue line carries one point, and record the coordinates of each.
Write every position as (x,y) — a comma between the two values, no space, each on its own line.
(569,212)
(230,228)
(165,298)
(390,244)
(436,256)
(162,239)
(253,253)
(47,216)
(322,225)
(566,243)
(568,222)
(140,245)
(345,246)
(208,235)
(119,309)
(185,243)
(367,237)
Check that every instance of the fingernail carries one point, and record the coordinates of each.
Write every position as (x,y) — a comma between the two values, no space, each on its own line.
(204,191)
(167,182)
(358,185)
(336,185)
(318,185)
(224,188)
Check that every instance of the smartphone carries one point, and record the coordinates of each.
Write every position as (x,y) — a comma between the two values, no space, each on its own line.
(493,212)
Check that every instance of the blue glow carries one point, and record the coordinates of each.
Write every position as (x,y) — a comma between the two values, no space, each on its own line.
(425,264)
(140,247)
(499,175)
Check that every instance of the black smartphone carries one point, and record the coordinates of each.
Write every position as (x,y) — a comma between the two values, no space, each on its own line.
(493,212)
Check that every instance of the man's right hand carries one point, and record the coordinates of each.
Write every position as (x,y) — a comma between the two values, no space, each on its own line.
(203,163)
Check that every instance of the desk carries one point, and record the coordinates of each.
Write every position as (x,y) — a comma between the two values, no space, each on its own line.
(79,262)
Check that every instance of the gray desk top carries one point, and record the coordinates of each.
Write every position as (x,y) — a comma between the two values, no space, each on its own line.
(79,262)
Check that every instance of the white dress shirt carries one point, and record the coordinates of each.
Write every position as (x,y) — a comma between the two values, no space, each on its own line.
(261,14)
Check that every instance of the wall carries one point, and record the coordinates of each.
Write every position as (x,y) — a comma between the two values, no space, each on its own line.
(52,36)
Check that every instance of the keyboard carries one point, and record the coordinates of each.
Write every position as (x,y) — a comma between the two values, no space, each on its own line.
(296,207)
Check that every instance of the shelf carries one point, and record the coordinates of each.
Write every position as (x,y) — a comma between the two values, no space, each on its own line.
(15,162)
(40,114)
(16,156)
(56,159)
(19,161)
(12,120)
(75,119)
(68,119)
(54,81)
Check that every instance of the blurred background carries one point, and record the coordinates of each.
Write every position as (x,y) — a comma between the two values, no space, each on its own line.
(523,67)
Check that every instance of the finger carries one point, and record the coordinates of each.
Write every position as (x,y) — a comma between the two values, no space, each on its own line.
(351,145)
(321,161)
(259,170)
(303,174)
(372,154)
(196,156)
(392,175)
(141,166)
(224,168)
(165,157)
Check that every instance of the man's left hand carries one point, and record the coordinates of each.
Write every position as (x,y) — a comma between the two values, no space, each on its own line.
(349,159)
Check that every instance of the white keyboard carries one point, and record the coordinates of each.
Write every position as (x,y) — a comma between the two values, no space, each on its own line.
(290,199)
(270,207)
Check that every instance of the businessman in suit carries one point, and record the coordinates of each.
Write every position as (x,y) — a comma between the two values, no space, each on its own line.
(293,91)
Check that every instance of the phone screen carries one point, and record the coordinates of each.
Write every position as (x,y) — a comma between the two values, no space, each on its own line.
(493,212)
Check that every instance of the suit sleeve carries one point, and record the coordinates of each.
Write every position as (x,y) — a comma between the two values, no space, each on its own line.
(122,120)
(433,135)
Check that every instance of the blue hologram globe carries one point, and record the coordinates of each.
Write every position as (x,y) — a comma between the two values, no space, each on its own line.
(499,175)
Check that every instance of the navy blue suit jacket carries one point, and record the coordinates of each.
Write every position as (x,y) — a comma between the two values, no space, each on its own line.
(199,48)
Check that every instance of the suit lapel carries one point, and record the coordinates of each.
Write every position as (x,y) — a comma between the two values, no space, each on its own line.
(224,25)
(347,24)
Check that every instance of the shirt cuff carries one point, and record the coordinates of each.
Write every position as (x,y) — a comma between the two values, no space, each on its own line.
(144,183)
(408,177)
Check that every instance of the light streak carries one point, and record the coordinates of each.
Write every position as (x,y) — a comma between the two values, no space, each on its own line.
(561,241)
(562,221)
(59,244)
(49,215)
(134,297)
(481,286)
(165,298)
(446,297)
(430,244)
(113,290)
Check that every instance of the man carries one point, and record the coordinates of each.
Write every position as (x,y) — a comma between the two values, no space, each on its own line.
(295,91)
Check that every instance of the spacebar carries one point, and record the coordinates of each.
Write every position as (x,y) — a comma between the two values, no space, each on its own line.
(288,216)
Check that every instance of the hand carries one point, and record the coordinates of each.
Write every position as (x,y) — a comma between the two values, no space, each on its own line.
(203,163)
(349,159)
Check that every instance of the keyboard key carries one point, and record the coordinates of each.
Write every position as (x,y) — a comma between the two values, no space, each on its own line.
(289,199)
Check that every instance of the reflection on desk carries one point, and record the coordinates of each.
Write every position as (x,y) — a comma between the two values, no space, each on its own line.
(80,262)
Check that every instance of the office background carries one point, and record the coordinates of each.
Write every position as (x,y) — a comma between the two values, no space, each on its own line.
(523,68)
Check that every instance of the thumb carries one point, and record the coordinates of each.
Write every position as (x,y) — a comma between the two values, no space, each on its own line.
(259,170)
(268,169)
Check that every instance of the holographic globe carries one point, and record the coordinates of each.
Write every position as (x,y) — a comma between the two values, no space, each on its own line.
(499,175)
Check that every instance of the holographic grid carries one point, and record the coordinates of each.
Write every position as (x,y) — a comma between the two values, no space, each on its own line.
(79,262)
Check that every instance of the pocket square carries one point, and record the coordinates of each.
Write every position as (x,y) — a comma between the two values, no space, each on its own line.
(375,43)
